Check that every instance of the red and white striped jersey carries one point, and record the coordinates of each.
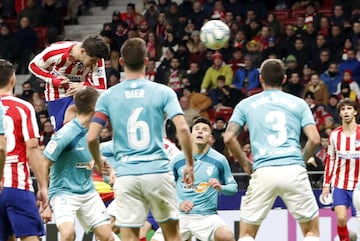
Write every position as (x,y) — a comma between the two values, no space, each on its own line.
(20,126)
(342,165)
(54,61)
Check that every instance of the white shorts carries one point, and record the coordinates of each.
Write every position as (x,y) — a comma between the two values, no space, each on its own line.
(202,227)
(88,208)
(291,183)
(136,195)
(112,209)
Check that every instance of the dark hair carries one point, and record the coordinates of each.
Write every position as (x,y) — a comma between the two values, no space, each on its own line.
(272,71)
(6,71)
(96,46)
(133,51)
(201,120)
(221,77)
(348,102)
(85,100)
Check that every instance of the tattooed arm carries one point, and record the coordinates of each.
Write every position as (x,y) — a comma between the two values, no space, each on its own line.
(230,139)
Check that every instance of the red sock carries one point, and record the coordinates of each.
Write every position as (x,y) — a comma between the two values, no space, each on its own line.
(142,239)
(343,233)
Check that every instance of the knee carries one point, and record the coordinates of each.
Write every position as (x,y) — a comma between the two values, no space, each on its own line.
(67,234)
(224,234)
(342,220)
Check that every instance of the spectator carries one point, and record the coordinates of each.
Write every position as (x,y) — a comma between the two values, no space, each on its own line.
(253,50)
(324,28)
(331,78)
(198,101)
(272,49)
(160,26)
(28,42)
(150,71)
(247,79)
(197,15)
(46,134)
(9,47)
(195,77)
(318,88)
(237,60)
(239,40)
(323,61)
(338,16)
(183,55)
(300,52)
(299,25)
(274,25)
(154,49)
(312,16)
(331,108)
(151,15)
(355,34)
(346,92)
(317,46)
(118,38)
(293,85)
(174,75)
(214,71)
(190,114)
(223,97)
(115,21)
(129,16)
(291,65)
(50,17)
(335,39)
(286,41)
(32,12)
(218,132)
(143,29)
(192,43)
(347,78)
(164,65)
(351,64)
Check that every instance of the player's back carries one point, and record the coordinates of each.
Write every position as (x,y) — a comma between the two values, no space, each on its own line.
(136,109)
(274,119)
(20,126)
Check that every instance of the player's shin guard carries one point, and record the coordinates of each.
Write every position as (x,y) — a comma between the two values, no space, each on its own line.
(343,233)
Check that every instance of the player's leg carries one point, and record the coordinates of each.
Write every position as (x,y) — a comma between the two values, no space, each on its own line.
(93,215)
(223,233)
(299,198)
(342,199)
(132,208)
(162,199)
(356,203)
(144,230)
(23,218)
(66,230)
(258,201)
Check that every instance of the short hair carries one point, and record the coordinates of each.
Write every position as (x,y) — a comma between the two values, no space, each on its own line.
(221,77)
(85,100)
(6,72)
(133,51)
(272,71)
(348,102)
(96,46)
(201,120)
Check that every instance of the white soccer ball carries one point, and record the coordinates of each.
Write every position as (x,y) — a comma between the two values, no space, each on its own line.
(215,34)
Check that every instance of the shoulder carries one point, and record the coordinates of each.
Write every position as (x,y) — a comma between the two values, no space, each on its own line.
(23,104)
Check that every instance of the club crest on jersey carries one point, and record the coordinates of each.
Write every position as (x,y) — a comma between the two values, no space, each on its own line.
(357,143)
(210,170)
(202,187)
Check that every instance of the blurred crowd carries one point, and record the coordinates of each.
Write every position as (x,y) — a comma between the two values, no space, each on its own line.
(319,42)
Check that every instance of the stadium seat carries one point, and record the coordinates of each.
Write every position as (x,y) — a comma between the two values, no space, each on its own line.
(297,13)
(42,33)
(281,15)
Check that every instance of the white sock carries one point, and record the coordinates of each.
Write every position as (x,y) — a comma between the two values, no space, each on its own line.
(311,238)
(247,238)
(116,238)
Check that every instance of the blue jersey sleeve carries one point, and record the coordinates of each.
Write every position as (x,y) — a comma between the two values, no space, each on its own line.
(306,116)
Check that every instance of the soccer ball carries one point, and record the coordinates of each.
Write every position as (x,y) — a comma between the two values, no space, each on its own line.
(215,34)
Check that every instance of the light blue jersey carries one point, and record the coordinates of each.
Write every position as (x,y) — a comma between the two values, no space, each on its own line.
(2,129)
(107,150)
(209,165)
(136,109)
(273,118)
(70,172)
